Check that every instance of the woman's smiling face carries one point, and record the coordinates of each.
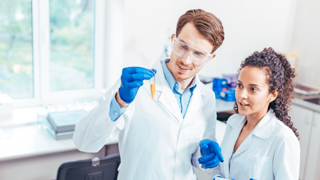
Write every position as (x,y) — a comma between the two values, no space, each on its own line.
(252,92)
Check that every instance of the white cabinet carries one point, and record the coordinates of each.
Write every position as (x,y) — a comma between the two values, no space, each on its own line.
(312,170)
(302,119)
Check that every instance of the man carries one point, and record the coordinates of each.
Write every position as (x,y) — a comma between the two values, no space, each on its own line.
(159,139)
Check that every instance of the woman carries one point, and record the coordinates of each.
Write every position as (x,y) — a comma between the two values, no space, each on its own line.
(260,141)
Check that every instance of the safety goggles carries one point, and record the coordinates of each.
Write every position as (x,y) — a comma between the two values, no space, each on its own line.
(182,49)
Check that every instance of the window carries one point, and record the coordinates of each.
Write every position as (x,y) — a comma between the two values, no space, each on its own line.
(16,48)
(47,50)
(71,44)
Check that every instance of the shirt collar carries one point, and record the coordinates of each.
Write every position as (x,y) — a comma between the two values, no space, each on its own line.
(173,84)
(263,129)
(266,125)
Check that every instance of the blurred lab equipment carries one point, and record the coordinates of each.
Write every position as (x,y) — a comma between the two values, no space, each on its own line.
(292,58)
(61,124)
(61,118)
(41,115)
(228,95)
(218,85)
(231,80)
(223,88)
(305,90)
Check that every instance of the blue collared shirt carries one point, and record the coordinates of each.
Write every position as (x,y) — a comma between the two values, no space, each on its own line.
(183,97)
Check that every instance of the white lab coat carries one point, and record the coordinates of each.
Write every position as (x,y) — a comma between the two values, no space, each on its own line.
(155,142)
(271,151)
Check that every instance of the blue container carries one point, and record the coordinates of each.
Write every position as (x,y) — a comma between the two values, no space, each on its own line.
(218,85)
(219,82)
(217,91)
(228,95)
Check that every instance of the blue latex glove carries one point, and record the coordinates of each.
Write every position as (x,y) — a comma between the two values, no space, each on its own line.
(212,153)
(222,177)
(131,80)
(215,178)
(232,179)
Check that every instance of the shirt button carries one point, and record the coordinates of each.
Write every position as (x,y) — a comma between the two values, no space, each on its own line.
(116,113)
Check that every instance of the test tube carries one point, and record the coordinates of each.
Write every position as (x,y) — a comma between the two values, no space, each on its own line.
(153,85)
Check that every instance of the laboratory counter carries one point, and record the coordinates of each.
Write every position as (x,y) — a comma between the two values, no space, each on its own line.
(29,139)
(26,146)
(315,106)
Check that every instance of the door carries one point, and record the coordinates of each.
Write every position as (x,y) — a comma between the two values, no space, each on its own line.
(313,163)
(302,118)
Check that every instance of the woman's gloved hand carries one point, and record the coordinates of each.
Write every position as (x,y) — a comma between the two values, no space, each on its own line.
(217,176)
(232,179)
(212,153)
(131,80)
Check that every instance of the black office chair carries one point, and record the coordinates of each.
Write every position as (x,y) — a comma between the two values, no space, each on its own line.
(105,168)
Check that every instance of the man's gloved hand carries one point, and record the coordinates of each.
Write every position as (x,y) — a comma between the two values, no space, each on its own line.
(212,153)
(131,80)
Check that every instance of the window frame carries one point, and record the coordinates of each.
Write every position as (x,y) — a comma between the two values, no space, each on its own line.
(41,59)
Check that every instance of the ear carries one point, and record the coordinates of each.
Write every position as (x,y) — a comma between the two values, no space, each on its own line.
(172,37)
(274,95)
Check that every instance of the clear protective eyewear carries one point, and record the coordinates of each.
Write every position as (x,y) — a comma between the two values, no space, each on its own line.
(182,49)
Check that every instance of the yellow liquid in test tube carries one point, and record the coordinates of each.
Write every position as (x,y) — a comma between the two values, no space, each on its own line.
(153,86)
(153,90)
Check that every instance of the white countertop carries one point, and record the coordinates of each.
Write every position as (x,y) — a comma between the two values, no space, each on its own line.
(21,137)
(306,104)
(223,106)
(32,140)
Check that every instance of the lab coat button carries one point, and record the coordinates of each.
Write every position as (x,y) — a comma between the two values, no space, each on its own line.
(116,113)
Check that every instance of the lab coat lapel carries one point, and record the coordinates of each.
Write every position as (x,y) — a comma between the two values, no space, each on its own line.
(237,125)
(263,130)
(164,94)
(246,143)
(266,126)
(195,104)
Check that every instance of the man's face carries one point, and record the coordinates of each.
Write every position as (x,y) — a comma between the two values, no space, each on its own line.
(182,68)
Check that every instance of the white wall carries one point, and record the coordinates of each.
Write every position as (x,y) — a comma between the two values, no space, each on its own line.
(306,42)
(249,25)
(114,39)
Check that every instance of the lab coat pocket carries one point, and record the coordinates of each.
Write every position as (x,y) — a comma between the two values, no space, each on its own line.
(257,168)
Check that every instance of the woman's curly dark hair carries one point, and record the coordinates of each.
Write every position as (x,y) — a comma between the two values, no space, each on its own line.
(279,77)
